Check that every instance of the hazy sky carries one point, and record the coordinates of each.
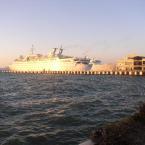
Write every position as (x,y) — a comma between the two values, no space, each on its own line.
(104,29)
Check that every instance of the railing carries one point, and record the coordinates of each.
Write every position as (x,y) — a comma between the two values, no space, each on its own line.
(131,73)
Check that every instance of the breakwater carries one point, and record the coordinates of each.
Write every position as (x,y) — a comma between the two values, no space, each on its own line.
(131,73)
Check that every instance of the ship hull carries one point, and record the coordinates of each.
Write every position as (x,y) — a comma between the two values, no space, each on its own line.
(46,65)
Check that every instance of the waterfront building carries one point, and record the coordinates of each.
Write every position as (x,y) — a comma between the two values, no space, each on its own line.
(131,63)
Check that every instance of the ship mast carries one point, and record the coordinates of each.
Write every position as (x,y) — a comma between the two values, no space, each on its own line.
(32,49)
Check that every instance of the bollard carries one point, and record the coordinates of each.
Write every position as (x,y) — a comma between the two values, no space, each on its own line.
(140,73)
(120,72)
(130,73)
(116,73)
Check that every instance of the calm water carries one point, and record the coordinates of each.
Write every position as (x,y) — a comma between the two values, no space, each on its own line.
(62,110)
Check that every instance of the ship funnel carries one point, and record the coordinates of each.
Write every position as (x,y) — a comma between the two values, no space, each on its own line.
(54,51)
(60,51)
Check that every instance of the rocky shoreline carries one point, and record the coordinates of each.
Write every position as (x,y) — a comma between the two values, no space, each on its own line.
(128,131)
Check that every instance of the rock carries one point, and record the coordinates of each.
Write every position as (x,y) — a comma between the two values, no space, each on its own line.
(127,131)
(88,142)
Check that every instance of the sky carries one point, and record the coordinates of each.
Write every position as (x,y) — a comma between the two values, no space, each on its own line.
(100,29)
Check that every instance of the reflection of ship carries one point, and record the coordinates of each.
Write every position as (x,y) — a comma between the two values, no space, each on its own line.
(54,61)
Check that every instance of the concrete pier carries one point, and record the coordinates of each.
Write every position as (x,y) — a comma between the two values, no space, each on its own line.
(124,73)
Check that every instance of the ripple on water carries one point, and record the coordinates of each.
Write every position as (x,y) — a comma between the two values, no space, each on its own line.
(61,110)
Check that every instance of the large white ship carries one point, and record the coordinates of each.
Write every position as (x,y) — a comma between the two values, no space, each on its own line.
(54,61)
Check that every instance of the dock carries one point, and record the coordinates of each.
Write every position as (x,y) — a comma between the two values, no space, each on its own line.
(127,73)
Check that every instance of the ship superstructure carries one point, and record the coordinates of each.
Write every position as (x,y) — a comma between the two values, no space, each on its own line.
(54,61)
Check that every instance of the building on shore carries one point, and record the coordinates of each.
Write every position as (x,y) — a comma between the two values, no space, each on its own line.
(131,63)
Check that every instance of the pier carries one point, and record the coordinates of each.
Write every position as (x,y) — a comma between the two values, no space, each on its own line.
(124,73)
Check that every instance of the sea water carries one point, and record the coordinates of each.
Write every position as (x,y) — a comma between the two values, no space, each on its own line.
(42,109)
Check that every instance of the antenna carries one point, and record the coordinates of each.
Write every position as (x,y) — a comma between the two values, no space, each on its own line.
(32,49)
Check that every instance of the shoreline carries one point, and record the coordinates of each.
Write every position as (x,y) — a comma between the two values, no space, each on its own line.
(127,131)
